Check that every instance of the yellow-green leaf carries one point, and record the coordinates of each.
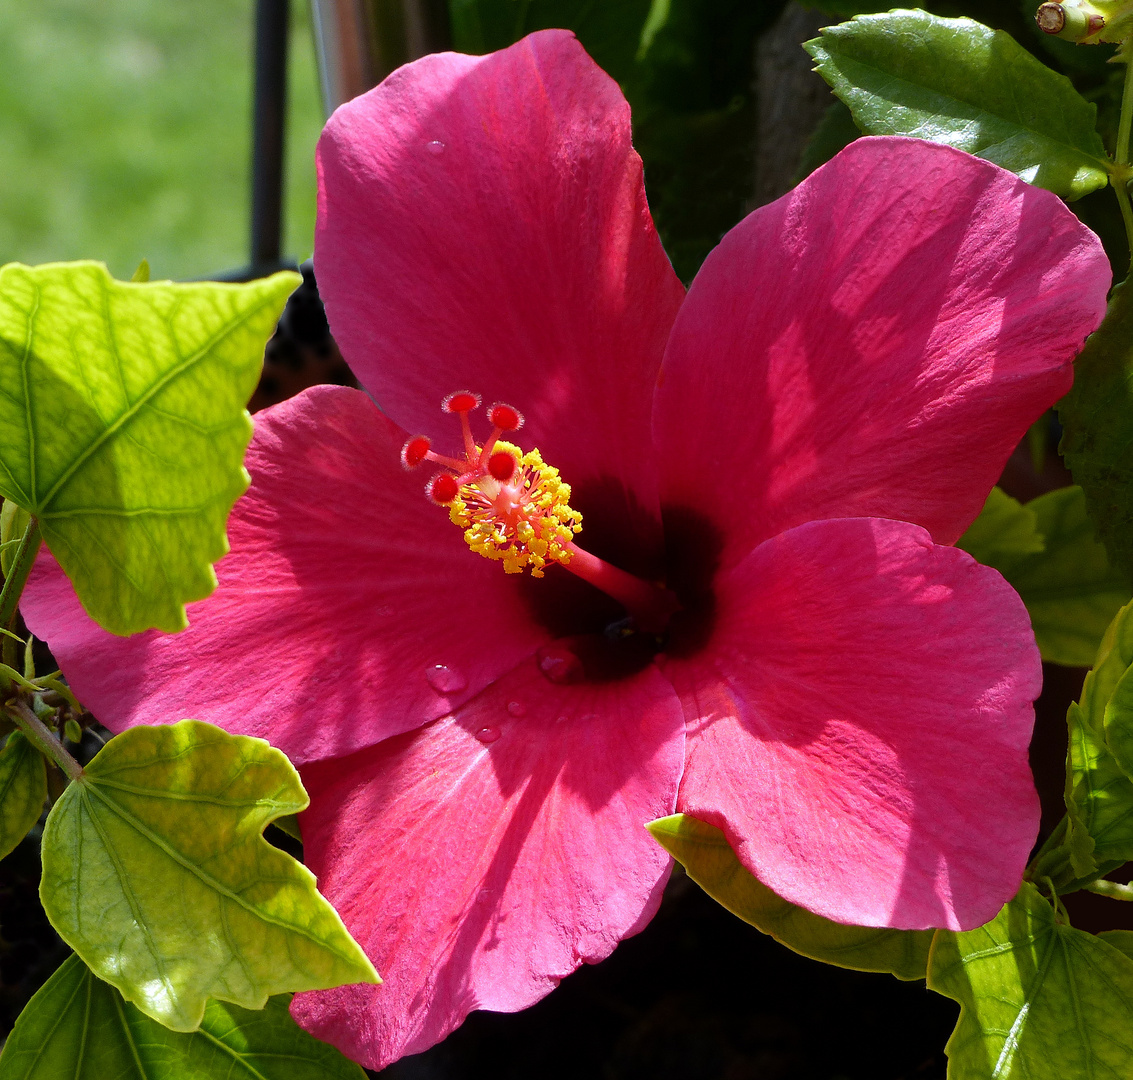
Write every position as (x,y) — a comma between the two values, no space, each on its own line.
(80,1028)
(23,789)
(156,872)
(1038,1000)
(1048,553)
(123,427)
(1005,531)
(709,860)
(1099,792)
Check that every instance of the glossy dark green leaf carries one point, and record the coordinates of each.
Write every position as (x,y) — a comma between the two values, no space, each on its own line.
(156,872)
(1097,421)
(710,861)
(1038,1000)
(80,1028)
(123,426)
(957,82)
(23,789)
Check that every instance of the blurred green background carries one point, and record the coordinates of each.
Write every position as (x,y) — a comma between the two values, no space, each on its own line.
(125,133)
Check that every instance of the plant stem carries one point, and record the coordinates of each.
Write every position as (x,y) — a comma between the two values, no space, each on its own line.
(1119,176)
(1111,889)
(43,738)
(1125,123)
(1118,183)
(18,575)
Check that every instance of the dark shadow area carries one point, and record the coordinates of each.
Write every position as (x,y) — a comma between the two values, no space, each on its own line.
(700,995)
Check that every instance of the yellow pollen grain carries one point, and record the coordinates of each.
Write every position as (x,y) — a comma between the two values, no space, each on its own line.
(535,532)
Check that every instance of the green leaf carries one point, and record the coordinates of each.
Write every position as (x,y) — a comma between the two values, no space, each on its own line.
(710,861)
(1070,589)
(156,872)
(1118,723)
(79,1027)
(1038,1000)
(1097,421)
(123,427)
(1122,940)
(1004,531)
(23,789)
(955,81)
(13,522)
(1099,793)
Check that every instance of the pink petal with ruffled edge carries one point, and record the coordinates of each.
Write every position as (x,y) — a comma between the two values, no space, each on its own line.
(875,343)
(483,226)
(858,725)
(345,587)
(477,872)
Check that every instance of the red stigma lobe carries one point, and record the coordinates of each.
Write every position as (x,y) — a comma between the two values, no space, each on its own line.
(501,466)
(505,417)
(415,451)
(443,488)
(463,401)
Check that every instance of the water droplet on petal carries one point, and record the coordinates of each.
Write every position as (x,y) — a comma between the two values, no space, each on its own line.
(445,680)
(483,896)
(559,664)
(562,719)
(435,147)
(488,734)
(516,708)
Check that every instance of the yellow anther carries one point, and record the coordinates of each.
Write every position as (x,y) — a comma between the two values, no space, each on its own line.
(524,523)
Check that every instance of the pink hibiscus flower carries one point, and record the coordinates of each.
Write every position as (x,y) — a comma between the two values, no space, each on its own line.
(789,449)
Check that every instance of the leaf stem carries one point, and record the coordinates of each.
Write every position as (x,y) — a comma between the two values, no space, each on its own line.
(1111,889)
(1117,180)
(18,575)
(1053,856)
(1120,173)
(1125,123)
(43,738)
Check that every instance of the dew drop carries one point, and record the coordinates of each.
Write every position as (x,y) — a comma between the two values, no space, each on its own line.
(516,708)
(435,147)
(483,896)
(445,680)
(488,734)
(560,665)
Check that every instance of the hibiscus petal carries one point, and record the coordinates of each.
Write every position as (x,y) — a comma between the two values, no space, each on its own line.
(859,722)
(482,859)
(483,225)
(873,344)
(344,590)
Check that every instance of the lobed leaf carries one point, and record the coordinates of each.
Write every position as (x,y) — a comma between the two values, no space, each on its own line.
(156,872)
(79,1027)
(1048,553)
(13,522)
(1099,792)
(957,82)
(709,860)
(1097,422)
(123,427)
(23,790)
(1005,531)
(1038,1000)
